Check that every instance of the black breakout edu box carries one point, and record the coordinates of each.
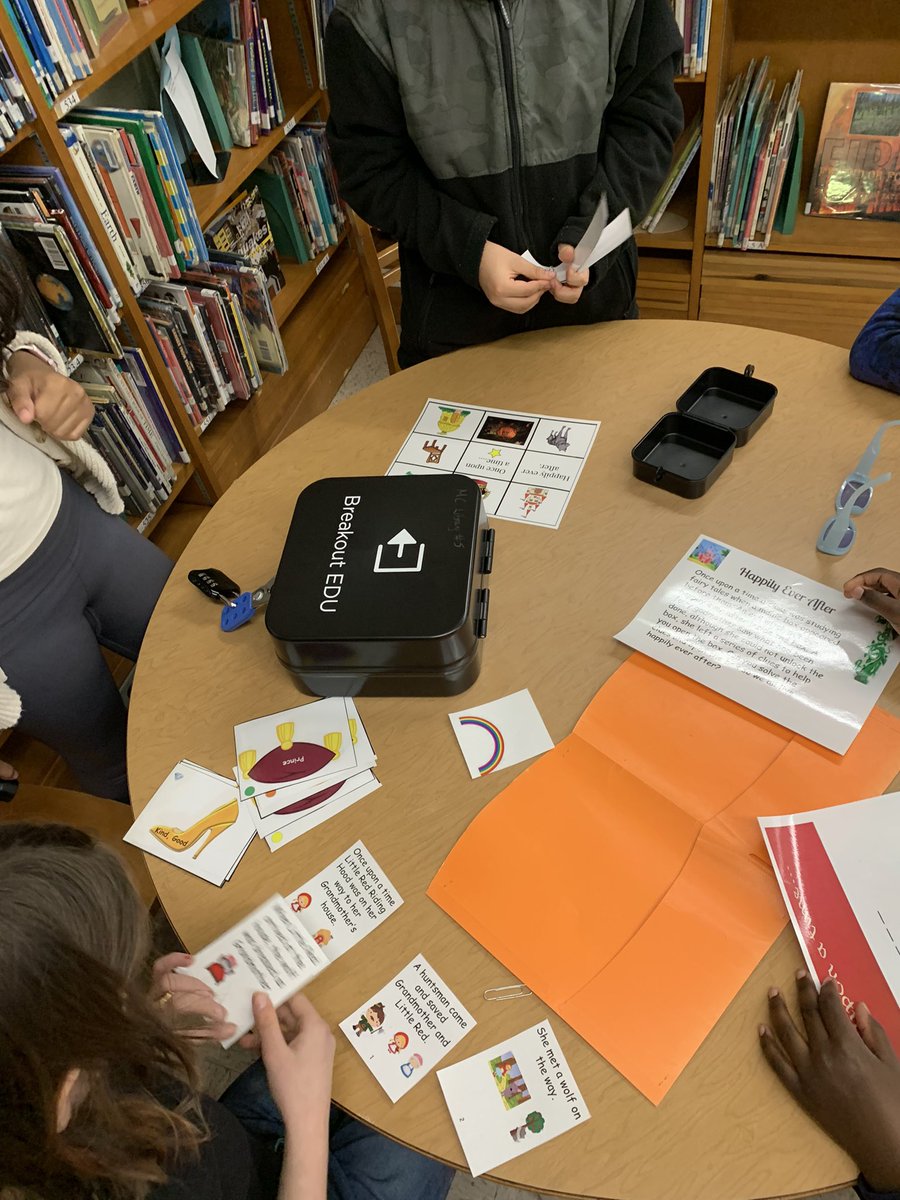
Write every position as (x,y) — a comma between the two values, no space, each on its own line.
(380,589)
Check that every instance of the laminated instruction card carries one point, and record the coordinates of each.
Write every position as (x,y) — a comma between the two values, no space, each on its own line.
(525,465)
(346,901)
(407,1027)
(787,647)
(511,1098)
(837,870)
(269,951)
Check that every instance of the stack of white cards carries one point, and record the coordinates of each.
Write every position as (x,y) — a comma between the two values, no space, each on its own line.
(297,768)
(195,821)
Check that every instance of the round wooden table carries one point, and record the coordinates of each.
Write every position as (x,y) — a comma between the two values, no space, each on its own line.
(726,1129)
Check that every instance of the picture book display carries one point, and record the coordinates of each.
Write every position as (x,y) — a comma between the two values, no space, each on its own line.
(407,1027)
(756,159)
(269,951)
(656,793)
(785,646)
(345,902)
(500,734)
(195,821)
(526,466)
(837,870)
(857,167)
(508,1099)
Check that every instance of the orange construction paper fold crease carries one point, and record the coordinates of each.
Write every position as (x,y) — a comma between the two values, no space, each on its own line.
(649,898)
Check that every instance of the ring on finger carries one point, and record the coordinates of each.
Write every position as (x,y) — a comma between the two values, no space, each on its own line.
(164,999)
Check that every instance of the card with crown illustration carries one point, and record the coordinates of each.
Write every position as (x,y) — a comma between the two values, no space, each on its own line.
(309,743)
(194,820)
(276,808)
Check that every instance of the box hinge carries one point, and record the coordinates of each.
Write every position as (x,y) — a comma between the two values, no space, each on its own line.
(487,551)
(482,601)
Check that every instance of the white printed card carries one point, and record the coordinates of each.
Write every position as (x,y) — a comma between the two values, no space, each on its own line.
(346,901)
(269,951)
(346,795)
(407,1027)
(516,1095)
(500,734)
(195,821)
(309,743)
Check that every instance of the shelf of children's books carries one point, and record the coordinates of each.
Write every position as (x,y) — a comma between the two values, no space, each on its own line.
(680,239)
(312,337)
(298,279)
(20,135)
(139,30)
(842,236)
(298,103)
(147,523)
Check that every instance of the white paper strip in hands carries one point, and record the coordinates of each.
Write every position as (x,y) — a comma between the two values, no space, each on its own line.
(599,240)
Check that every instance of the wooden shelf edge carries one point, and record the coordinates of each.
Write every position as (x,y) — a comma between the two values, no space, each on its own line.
(21,134)
(143,26)
(211,197)
(701,78)
(183,472)
(299,278)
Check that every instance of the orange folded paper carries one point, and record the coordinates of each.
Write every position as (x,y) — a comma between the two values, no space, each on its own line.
(637,841)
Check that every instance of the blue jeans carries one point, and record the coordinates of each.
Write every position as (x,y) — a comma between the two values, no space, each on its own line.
(362,1165)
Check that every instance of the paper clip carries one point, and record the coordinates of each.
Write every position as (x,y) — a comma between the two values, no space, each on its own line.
(517,990)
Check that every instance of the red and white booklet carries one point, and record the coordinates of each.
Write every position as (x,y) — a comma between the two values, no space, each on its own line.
(838,873)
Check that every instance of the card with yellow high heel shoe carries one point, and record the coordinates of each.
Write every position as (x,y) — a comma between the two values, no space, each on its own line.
(310,743)
(195,821)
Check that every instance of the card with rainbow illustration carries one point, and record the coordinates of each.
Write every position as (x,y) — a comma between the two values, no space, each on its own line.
(500,734)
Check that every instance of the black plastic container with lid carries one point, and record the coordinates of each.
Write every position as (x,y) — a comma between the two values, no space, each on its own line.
(686,451)
(380,589)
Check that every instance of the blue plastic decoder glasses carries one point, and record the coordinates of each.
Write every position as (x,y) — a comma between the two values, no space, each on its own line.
(839,532)
(860,475)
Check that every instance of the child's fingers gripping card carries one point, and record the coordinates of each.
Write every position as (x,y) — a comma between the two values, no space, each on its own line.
(269,951)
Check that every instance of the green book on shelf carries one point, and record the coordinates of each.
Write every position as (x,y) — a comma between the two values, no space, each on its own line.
(198,72)
(280,212)
(786,216)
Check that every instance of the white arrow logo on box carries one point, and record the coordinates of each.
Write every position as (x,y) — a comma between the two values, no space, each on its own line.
(401,540)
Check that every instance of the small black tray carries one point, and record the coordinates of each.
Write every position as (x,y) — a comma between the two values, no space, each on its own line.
(683,454)
(731,401)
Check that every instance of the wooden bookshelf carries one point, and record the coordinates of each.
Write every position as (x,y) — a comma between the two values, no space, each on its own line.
(830,273)
(683,205)
(143,26)
(322,336)
(148,523)
(298,103)
(299,278)
(26,131)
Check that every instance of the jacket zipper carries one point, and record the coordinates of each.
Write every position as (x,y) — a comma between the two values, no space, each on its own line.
(504,26)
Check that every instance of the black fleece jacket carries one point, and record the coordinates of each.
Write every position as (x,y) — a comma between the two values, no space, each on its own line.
(458,121)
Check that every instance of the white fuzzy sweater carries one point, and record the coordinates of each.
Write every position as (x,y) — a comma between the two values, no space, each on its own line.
(77,458)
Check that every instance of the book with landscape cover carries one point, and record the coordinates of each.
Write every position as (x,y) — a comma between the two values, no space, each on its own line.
(857,168)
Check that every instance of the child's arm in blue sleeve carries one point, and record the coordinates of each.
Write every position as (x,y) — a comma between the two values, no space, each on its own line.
(875,355)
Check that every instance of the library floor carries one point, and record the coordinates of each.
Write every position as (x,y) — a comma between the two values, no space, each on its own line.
(220,1066)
